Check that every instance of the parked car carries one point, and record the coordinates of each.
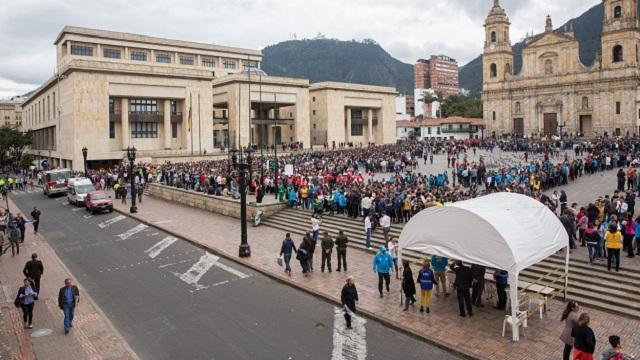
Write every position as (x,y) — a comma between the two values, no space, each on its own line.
(77,190)
(98,201)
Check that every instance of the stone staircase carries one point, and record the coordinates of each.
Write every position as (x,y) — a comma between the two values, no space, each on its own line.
(589,285)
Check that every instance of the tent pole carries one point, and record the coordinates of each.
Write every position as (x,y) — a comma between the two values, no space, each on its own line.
(513,293)
(566,272)
(400,266)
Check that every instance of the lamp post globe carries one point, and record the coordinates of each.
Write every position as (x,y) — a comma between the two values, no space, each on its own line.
(84,156)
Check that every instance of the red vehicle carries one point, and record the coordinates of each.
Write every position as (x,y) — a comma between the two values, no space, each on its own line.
(98,201)
(55,181)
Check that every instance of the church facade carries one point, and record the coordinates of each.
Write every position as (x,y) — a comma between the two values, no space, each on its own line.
(554,92)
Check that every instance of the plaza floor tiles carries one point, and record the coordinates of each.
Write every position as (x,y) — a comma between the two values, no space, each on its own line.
(478,336)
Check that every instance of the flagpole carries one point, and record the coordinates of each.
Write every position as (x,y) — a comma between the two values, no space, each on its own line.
(191,120)
(199,127)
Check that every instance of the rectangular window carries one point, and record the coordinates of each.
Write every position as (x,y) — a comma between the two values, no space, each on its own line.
(54,105)
(174,130)
(186,60)
(438,130)
(112,130)
(208,62)
(617,107)
(111,53)
(138,55)
(249,65)
(314,99)
(82,50)
(48,108)
(229,63)
(144,106)
(494,115)
(429,130)
(163,58)
(174,107)
(356,130)
(144,130)
(112,107)
(314,112)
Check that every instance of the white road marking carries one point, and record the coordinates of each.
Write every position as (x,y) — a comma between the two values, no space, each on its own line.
(349,344)
(65,203)
(162,222)
(129,233)
(156,249)
(76,209)
(197,271)
(231,270)
(111,221)
(87,216)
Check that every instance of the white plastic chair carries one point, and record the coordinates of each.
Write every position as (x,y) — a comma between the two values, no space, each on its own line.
(521,315)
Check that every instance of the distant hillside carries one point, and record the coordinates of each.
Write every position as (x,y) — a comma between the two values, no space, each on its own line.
(587,28)
(334,60)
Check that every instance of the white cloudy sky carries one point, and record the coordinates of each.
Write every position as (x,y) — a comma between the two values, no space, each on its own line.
(408,29)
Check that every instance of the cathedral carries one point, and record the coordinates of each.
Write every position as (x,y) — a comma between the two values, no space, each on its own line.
(555,93)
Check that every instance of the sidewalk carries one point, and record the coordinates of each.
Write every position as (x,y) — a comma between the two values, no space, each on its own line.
(475,337)
(92,337)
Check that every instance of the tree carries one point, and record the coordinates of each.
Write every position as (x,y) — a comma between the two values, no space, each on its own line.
(457,105)
(12,144)
(26,161)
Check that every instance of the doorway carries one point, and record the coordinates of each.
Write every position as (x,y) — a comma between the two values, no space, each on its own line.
(518,126)
(550,124)
(586,125)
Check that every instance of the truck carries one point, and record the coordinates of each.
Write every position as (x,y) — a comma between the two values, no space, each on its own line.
(55,181)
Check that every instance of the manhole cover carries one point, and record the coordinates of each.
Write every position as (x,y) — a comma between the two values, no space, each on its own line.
(41,333)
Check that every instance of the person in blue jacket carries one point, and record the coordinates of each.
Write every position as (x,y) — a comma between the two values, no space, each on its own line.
(426,279)
(502,279)
(382,264)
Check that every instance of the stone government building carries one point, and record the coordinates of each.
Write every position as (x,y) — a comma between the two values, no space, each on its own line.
(116,90)
(554,92)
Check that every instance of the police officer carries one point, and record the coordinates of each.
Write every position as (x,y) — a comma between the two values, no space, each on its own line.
(462,285)
(327,247)
(341,250)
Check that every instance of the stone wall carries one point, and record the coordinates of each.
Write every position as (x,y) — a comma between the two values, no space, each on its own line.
(214,204)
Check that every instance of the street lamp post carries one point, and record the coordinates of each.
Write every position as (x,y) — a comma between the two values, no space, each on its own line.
(131,155)
(84,156)
(243,167)
(562,126)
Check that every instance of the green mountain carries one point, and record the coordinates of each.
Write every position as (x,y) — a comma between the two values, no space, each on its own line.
(587,28)
(334,60)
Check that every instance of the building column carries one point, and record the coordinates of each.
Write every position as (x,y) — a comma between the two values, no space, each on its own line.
(348,132)
(370,126)
(167,124)
(124,121)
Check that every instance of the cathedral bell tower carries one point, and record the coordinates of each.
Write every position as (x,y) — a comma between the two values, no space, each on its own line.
(620,33)
(497,57)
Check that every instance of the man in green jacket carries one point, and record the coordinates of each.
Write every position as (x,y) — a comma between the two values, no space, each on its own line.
(341,247)
(327,248)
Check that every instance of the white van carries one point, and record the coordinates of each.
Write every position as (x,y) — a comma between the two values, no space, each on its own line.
(77,190)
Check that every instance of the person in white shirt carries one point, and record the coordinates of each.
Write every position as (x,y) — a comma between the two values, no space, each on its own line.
(365,204)
(385,223)
(367,230)
(315,227)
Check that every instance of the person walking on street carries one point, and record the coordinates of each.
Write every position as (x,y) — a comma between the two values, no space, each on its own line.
(584,343)
(408,286)
(21,224)
(341,251)
(367,230)
(286,250)
(502,279)
(327,248)
(311,249)
(14,238)
(35,215)
(439,266)
(302,255)
(68,298)
(26,298)
(426,280)
(393,250)
(34,269)
(570,317)
(382,264)
(613,243)
(477,272)
(462,284)
(349,298)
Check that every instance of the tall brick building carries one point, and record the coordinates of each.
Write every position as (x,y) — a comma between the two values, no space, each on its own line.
(439,73)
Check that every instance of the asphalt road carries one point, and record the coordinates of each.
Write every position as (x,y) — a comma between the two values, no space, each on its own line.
(172,300)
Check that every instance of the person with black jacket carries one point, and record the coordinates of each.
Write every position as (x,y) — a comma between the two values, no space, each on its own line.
(34,269)
(462,284)
(349,298)
(341,250)
(68,298)
(584,342)
(35,215)
(477,273)
(408,286)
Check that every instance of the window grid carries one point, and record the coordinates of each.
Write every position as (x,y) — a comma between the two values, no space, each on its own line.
(357,130)
(208,62)
(82,50)
(144,130)
(186,60)
(111,53)
(163,58)
(138,55)
(112,130)
(143,106)
(229,64)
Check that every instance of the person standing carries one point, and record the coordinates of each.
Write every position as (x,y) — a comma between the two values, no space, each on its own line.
(385,224)
(367,230)
(426,280)
(439,265)
(311,249)
(382,264)
(26,298)
(14,238)
(502,279)
(315,226)
(286,250)
(35,215)
(570,317)
(615,351)
(393,251)
(349,298)
(68,298)
(327,248)
(613,243)
(462,285)
(584,343)
(34,269)
(341,250)
(408,286)
(477,273)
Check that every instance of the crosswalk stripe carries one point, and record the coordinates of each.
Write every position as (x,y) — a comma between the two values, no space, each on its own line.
(349,344)
(111,221)
(197,271)
(231,270)
(156,249)
(129,233)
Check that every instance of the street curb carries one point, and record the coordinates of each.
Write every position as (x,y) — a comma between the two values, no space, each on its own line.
(87,295)
(308,290)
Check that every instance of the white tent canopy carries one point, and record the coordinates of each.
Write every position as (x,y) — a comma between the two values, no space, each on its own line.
(503,230)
